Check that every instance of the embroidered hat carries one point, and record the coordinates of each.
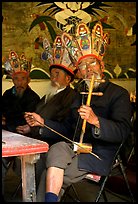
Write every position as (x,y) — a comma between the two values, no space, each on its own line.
(15,64)
(85,43)
(58,56)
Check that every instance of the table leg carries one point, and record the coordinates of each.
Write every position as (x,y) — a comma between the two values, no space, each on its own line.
(28,177)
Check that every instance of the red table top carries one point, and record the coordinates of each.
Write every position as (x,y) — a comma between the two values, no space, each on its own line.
(14,144)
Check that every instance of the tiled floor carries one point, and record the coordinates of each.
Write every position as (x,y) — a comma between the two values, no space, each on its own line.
(86,191)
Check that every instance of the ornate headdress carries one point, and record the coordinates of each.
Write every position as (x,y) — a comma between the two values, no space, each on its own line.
(86,43)
(58,56)
(15,64)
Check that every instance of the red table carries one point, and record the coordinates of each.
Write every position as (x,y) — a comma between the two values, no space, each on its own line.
(29,150)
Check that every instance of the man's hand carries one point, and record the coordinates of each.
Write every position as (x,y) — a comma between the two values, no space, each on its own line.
(87,113)
(33,119)
(23,129)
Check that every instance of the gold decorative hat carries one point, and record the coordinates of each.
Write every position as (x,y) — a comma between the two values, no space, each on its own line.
(15,64)
(58,56)
(85,43)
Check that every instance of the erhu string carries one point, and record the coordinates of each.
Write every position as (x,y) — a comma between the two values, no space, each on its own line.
(87,103)
(82,102)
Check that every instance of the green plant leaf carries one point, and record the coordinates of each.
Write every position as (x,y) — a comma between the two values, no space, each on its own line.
(51,31)
(38,20)
(45,20)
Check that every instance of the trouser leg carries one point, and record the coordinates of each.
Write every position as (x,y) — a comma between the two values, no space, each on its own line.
(62,156)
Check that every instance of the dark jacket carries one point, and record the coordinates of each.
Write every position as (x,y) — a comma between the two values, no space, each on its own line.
(56,109)
(13,107)
(114,112)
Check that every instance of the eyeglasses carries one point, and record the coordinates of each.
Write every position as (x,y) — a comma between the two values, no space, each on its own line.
(85,65)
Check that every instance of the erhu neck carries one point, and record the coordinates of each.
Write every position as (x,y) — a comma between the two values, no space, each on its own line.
(90,93)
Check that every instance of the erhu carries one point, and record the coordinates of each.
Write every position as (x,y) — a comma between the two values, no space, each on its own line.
(80,147)
(84,147)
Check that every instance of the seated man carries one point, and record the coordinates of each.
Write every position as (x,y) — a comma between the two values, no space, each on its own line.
(18,99)
(59,96)
(108,120)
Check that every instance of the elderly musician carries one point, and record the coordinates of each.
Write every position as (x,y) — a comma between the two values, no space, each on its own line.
(102,120)
(55,104)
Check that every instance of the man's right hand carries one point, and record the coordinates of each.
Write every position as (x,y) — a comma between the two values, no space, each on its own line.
(33,119)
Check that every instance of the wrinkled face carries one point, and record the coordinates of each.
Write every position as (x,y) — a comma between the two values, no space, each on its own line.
(59,78)
(90,66)
(20,81)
